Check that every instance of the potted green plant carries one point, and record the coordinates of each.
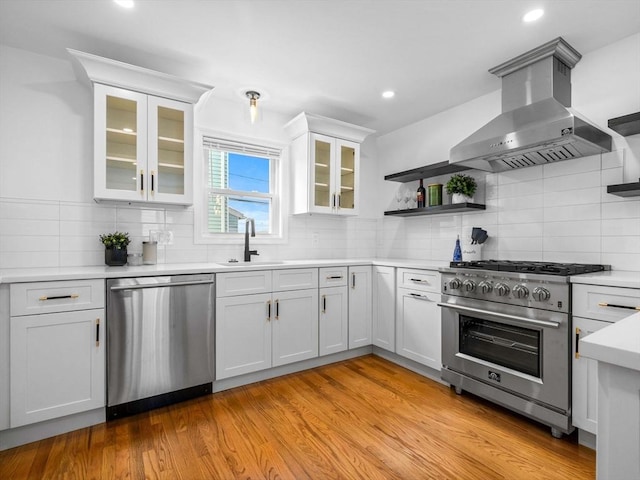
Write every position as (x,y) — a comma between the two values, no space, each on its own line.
(461,187)
(115,253)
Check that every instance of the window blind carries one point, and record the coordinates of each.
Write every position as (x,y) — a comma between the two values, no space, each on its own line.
(241,147)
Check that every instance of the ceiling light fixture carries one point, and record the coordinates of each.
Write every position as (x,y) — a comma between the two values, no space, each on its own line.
(253,97)
(388,94)
(125,3)
(533,15)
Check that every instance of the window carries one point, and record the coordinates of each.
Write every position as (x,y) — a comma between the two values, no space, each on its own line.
(240,182)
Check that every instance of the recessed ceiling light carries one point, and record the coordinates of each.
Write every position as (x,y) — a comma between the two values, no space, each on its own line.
(125,3)
(388,94)
(533,15)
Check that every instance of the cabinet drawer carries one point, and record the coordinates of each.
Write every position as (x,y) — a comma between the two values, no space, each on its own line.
(50,297)
(333,277)
(609,304)
(295,279)
(424,280)
(243,283)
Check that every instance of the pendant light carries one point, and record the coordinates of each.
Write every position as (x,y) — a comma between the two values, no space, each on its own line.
(253,97)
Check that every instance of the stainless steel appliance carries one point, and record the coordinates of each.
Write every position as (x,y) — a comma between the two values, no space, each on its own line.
(537,125)
(506,335)
(160,338)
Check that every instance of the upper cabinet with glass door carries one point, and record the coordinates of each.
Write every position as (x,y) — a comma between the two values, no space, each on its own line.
(143,132)
(325,156)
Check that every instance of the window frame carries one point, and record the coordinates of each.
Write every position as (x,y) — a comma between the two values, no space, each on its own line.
(278,195)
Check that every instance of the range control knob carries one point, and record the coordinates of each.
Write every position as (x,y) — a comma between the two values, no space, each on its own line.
(520,291)
(541,294)
(469,285)
(455,284)
(485,287)
(502,289)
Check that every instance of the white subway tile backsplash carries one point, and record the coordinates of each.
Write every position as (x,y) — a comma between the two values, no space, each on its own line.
(621,226)
(578,196)
(572,182)
(571,244)
(26,227)
(572,228)
(531,215)
(29,210)
(628,208)
(572,212)
(29,259)
(622,261)
(25,243)
(520,189)
(613,159)
(520,175)
(572,167)
(139,215)
(621,244)
(83,212)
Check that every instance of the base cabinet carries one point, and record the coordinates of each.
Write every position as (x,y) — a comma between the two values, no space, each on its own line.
(57,359)
(584,412)
(418,327)
(333,323)
(360,306)
(384,308)
(256,331)
(594,307)
(418,318)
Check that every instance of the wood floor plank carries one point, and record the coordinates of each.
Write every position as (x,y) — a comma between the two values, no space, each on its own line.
(364,418)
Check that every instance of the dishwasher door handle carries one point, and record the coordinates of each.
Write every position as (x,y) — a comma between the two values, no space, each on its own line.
(159,285)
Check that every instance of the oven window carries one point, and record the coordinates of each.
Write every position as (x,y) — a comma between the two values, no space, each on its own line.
(512,347)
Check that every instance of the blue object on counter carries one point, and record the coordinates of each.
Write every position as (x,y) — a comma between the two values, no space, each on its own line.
(457,252)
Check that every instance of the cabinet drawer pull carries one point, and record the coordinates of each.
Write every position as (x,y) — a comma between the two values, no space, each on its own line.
(97,332)
(612,305)
(59,297)
(419,280)
(578,332)
(334,277)
(420,297)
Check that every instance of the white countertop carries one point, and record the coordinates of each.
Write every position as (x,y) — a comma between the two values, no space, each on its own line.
(19,275)
(612,278)
(617,344)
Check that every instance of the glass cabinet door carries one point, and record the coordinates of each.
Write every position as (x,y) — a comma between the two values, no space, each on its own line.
(120,143)
(169,149)
(348,165)
(322,165)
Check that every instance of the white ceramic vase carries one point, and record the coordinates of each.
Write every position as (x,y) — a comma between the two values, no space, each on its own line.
(460,198)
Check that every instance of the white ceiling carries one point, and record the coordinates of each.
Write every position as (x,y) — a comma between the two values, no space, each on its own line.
(329,57)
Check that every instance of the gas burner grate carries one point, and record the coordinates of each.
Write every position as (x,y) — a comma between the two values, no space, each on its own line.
(547,268)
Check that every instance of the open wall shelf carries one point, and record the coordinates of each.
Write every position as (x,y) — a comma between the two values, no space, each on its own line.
(625,189)
(626,125)
(434,170)
(439,210)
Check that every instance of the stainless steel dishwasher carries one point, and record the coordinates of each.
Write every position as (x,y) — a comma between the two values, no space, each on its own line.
(160,340)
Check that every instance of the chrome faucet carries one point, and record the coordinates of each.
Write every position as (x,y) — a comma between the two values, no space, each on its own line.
(247,252)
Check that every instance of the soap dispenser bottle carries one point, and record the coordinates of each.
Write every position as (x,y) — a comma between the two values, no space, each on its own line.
(457,251)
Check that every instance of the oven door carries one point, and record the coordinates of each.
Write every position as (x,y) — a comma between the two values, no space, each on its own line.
(521,350)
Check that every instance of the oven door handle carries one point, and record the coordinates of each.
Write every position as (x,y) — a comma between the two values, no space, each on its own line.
(542,323)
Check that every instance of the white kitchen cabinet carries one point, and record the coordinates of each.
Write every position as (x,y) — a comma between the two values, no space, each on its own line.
(265,319)
(585,378)
(384,320)
(333,323)
(57,359)
(143,131)
(143,147)
(325,155)
(243,334)
(360,306)
(295,326)
(594,307)
(418,320)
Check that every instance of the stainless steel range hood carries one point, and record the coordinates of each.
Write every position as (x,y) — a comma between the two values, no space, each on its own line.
(537,125)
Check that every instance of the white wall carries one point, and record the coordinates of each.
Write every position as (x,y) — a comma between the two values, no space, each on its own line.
(556,212)
(47,214)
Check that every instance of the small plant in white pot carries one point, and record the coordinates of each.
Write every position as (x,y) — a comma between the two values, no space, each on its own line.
(461,188)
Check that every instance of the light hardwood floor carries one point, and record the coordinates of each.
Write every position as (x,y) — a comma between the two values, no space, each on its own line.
(365,418)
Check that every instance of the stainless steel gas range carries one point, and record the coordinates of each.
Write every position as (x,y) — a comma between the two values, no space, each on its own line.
(506,335)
